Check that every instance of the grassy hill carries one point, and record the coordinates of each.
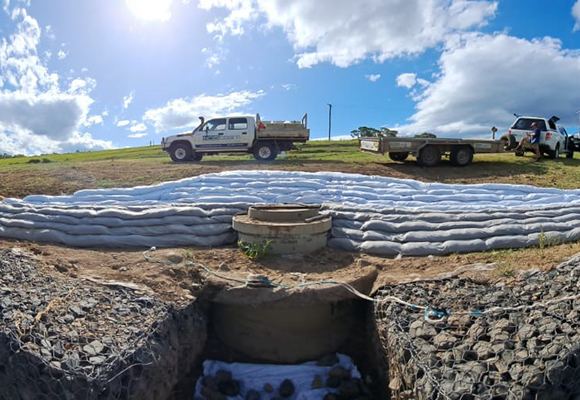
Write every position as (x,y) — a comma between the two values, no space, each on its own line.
(66,173)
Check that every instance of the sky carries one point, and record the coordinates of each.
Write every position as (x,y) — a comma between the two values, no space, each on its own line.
(99,74)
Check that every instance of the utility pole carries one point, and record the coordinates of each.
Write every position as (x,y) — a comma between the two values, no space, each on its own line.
(329,119)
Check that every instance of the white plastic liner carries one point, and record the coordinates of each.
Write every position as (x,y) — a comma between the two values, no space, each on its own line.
(255,376)
(376,215)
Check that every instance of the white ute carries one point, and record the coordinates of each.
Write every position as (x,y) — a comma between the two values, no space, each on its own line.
(240,134)
(554,140)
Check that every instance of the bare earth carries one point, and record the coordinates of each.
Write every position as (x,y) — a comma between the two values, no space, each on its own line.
(181,283)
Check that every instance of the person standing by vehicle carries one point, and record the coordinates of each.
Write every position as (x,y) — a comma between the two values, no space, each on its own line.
(533,138)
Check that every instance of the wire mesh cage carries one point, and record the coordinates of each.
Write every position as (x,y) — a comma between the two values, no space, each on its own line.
(67,338)
(464,340)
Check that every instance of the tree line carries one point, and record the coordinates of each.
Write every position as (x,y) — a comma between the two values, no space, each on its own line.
(365,131)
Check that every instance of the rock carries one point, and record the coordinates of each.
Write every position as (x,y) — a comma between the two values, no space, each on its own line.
(61,268)
(97,360)
(210,382)
(253,395)
(444,340)
(268,388)
(174,258)
(230,388)
(339,372)
(68,318)
(76,311)
(361,263)
(123,269)
(328,360)
(317,382)
(287,388)
(484,350)
(211,394)
(224,267)
(422,329)
(350,388)
(93,348)
(333,382)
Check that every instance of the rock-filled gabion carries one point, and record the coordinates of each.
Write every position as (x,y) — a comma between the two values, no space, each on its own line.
(71,339)
(509,354)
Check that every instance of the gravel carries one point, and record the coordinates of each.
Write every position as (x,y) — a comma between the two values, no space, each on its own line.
(508,354)
(63,337)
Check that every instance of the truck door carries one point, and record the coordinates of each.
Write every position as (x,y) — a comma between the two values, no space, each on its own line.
(240,133)
(211,135)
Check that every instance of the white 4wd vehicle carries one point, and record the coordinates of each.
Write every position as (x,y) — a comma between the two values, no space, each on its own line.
(554,140)
(239,134)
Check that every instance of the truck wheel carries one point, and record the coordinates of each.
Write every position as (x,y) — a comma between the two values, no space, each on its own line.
(197,156)
(429,156)
(398,155)
(461,156)
(265,152)
(553,154)
(570,154)
(180,152)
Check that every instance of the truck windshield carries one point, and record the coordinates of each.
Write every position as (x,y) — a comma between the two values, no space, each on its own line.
(525,124)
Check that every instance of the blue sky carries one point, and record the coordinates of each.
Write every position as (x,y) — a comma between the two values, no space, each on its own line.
(94,74)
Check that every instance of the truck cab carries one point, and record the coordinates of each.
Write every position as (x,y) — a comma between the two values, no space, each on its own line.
(246,134)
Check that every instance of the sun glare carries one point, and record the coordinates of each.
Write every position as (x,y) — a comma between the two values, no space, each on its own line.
(150,10)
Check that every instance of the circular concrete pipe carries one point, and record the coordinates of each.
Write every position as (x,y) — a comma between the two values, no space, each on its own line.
(291,228)
(284,334)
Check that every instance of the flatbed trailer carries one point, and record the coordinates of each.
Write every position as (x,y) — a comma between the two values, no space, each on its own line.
(429,151)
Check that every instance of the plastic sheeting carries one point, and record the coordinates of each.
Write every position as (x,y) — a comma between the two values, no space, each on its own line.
(255,376)
(376,215)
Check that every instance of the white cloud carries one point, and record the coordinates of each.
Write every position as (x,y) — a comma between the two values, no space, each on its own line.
(138,128)
(123,122)
(288,86)
(136,135)
(36,116)
(182,113)
(407,80)
(94,120)
(576,15)
(484,79)
(127,100)
(61,54)
(345,32)
(373,77)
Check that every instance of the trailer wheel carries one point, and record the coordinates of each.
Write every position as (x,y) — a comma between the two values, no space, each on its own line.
(180,152)
(509,142)
(461,156)
(429,156)
(398,155)
(570,154)
(265,152)
(197,156)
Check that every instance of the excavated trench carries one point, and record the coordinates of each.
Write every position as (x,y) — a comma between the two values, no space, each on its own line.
(63,338)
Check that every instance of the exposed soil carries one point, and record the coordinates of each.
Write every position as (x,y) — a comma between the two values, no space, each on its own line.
(183,283)
(66,178)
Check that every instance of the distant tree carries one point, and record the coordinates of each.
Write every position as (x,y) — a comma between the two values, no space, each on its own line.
(427,135)
(365,131)
(386,132)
